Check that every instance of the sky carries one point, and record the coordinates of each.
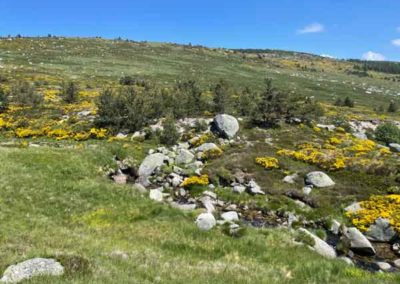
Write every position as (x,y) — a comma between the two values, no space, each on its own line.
(368,29)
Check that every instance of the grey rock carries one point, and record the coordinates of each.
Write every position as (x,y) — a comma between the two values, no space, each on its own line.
(208,203)
(139,187)
(307,190)
(254,188)
(397,263)
(120,179)
(211,194)
(151,163)
(346,259)
(329,127)
(353,208)
(225,125)
(239,188)
(319,179)
(31,268)
(394,147)
(230,216)
(360,135)
(206,221)
(335,227)
(358,242)
(396,248)
(291,178)
(206,147)
(384,266)
(381,231)
(320,246)
(184,157)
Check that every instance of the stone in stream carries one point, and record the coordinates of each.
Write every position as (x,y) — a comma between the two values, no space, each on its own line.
(358,242)
(31,268)
(381,231)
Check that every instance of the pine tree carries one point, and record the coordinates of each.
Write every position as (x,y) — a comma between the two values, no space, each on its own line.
(392,107)
(3,100)
(220,96)
(70,92)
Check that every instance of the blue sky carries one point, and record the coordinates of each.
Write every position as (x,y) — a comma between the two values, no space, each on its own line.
(340,28)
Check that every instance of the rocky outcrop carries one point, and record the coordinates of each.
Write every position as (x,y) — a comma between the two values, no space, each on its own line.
(381,231)
(151,163)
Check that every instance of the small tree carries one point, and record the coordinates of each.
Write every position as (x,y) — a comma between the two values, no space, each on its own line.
(70,92)
(348,102)
(3,100)
(169,136)
(220,96)
(338,102)
(392,107)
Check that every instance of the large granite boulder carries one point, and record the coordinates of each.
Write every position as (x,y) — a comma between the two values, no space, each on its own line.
(225,125)
(381,231)
(151,163)
(358,242)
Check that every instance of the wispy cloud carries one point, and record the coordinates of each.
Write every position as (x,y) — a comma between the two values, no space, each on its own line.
(312,28)
(328,56)
(373,56)
(396,42)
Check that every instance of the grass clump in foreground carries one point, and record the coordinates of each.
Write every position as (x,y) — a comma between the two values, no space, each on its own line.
(54,202)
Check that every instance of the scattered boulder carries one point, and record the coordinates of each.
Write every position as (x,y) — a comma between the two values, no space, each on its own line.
(184,157)
(31,268)
(239,188)
(206,221)
(307,190)
(151,163)
(225,125)
(230,216)
(319,179)
(381,231)
(397,263)
(120,178)
(208,203)
(347,260)
(358,242)
(335,227)
(320,246)
(328,127)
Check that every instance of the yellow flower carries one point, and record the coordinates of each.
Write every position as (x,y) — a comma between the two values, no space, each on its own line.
(195,180)
(268,162)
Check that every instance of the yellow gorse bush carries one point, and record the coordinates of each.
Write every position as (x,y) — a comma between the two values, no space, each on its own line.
(339,152)
(387,207)
(212,154)
(195,180)
(268,162)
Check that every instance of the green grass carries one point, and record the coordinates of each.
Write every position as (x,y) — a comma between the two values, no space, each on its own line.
(55,202)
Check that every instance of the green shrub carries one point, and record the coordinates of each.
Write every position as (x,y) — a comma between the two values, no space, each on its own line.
(70,92)
(392,107)
(3,100)
(169,136)
(388,133)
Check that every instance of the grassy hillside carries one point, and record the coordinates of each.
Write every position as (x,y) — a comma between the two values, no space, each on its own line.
(99,61)
(55,203)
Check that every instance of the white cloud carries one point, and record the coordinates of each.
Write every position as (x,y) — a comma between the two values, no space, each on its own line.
(373,56)
(328,56)
(396,42)
(313,28)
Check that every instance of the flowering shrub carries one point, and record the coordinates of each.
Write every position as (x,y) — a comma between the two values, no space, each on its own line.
(339,152)
(387,207)
(212,154)
(197,141)
(268,162)
(195,180)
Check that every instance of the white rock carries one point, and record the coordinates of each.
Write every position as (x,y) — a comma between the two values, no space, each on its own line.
(384,266)
(353,208)
(397,263)
(31,268)
(151,163)
(319,179)
(239,188)
(156,195)
(307,190)
(206,221)
(184,157)
(320,246)
(358,242)
(254,188)
(230,216)
(291,178)
(226,125)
